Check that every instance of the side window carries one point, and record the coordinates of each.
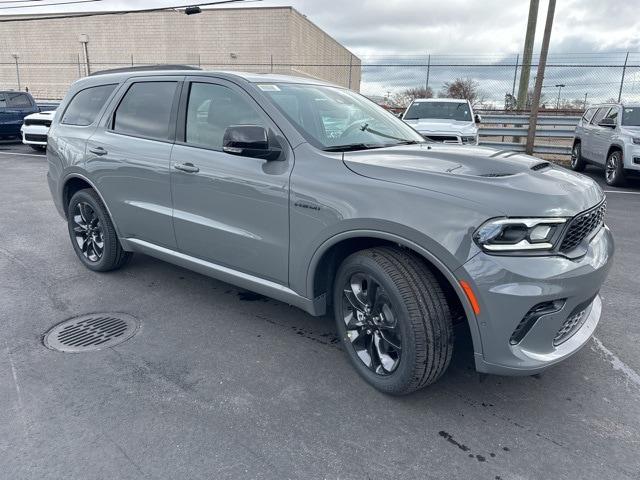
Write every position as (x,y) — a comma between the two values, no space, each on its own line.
(3,100)
(599,115)
(213,108)
(145,110)
(18,100)
(84,107)
(613,114)
(588,115)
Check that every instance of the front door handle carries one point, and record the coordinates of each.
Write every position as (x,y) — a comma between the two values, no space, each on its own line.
(98,151)
(186,167)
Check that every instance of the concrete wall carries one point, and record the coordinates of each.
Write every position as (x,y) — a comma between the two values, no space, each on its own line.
(250,39)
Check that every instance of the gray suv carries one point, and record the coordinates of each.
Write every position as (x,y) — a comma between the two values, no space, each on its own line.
(313,195)
(609,136)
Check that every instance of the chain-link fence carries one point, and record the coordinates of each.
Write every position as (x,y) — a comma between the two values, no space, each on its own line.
(570,83)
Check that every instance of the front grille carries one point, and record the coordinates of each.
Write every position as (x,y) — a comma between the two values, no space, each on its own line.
(31,137)
(37,121)
(583,225)
(442,138)
(573,323)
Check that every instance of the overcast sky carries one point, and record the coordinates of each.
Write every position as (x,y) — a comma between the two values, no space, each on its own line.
(484,31)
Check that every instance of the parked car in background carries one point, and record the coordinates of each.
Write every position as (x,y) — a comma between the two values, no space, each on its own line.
(258,180)
(608,135)
(446,120)
(14,106)
(35,129)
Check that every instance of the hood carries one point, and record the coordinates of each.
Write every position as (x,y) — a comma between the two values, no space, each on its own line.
(630,130)
(506,182)
(436,125)
(48,115)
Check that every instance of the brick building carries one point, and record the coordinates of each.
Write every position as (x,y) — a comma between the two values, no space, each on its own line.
(272,39)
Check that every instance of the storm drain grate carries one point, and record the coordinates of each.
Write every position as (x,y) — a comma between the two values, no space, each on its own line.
(91,332)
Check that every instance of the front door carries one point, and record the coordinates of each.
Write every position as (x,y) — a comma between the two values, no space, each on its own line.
(589,148)
(229,209)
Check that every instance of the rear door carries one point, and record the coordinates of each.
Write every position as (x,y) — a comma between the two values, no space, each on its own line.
(229,209)
(128,157)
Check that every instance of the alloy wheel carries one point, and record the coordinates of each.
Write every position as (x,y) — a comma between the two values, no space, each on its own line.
(611,167)
(371,324)
(88,231)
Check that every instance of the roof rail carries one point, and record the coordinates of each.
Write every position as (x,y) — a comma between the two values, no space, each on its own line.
(144,68)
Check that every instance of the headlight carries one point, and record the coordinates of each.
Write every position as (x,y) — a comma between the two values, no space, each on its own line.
(519,234)
(636,140)
(470,139)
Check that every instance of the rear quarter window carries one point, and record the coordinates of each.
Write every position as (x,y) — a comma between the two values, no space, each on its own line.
(86,104)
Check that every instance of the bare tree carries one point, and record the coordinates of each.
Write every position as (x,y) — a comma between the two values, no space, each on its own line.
(408,95)
(466,88)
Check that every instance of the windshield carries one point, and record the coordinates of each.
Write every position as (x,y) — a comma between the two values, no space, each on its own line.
(334,118)
(631,117)
(441,110)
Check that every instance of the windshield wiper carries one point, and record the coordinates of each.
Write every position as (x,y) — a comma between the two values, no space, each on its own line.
(352,146)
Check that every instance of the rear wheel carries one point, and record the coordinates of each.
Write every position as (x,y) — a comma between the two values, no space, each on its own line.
(577,162)
(92,233)
(393,318)
(614,169)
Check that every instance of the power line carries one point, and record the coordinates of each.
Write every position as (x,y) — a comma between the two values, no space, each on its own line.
(143,10)
(48,4)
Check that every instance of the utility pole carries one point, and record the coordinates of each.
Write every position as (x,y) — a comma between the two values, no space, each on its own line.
(624,70)
(15,57)
(515,75)
(523,87)
(426,89)
(585,100)
(559,85)
(84,40)
(533,118)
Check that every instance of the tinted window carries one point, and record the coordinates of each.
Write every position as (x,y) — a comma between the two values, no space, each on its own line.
(631,116)
(86,104)
(588,115)
(599,115)
(145,110)
(3,100)
(213,108)
(18,100)
(446,110)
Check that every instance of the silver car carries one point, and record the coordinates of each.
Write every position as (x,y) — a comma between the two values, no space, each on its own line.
(608,135)
(313,195)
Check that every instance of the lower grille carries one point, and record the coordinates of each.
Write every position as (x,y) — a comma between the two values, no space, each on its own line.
(582,226)
(31,137)
(573,323)
(532,317)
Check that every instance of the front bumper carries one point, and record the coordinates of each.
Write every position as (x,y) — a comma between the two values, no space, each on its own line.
(508,287)
(631,157)
(34,134)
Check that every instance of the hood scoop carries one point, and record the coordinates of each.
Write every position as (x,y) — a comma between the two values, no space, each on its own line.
(540,166)
(494,175)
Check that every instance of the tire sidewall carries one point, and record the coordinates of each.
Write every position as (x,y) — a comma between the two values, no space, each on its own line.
(83,196)
(618,175)
(395,382)
(579,165)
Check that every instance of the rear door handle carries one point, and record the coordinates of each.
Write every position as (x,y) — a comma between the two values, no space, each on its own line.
(186,167)
(98,150)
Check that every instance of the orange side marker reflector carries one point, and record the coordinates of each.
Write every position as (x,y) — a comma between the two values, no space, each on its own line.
(471,296)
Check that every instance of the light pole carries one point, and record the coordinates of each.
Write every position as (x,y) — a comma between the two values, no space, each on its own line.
(559,87)
(84,40)
(15,57)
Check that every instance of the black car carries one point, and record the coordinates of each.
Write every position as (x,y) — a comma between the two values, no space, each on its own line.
(14,106)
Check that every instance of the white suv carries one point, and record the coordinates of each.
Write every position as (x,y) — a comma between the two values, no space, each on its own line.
(446,120)
(609,136)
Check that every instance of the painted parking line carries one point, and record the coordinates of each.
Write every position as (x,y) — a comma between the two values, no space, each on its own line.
(616,363)
(23,154)
(622,191)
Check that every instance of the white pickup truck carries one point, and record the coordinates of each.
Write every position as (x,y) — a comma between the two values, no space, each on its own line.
(446,120)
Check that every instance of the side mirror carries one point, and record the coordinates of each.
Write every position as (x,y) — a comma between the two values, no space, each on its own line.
(477,118)
(607,122)
(248,141)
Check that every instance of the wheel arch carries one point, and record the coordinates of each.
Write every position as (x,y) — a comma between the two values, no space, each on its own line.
(330,254)
(613,148)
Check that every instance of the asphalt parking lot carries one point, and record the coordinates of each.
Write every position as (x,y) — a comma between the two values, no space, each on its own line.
(219,383)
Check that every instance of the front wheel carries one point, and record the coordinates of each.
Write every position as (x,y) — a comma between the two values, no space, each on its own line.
(393,319)
(577,162)
(92,233)
(614,169)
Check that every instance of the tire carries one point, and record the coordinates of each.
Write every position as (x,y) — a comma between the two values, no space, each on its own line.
(38,148)
(577,162)
(409,297)
(89,226)
(614,169)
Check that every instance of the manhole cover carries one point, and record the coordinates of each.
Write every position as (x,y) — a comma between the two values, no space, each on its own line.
(91,332)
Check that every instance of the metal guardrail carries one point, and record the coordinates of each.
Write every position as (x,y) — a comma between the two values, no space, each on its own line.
(548,127)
